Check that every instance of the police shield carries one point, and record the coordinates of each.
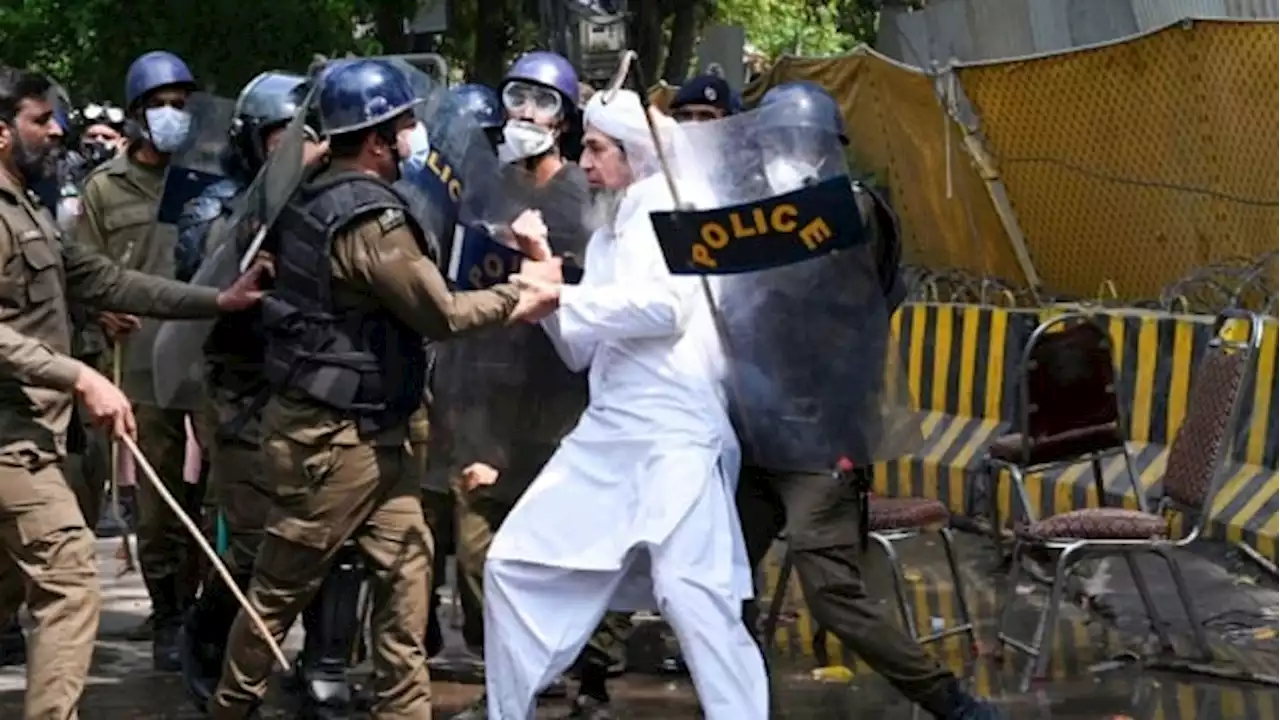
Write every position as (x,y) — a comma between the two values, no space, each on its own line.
(790,261)
(232,243)
(198,163)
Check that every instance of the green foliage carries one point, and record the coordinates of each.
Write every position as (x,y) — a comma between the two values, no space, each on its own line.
(804,27)
(88,44)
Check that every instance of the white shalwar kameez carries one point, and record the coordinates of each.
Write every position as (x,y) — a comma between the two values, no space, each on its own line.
(637,505)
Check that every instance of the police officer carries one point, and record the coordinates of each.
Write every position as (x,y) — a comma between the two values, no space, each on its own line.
(48,552)
(229,428)
(119,206)
(355,296)
(703,98)
(819,510)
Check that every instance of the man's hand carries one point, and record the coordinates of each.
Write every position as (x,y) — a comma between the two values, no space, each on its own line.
(530,234)
(478,474)
(243,293)
(118,326)
(314,152)
(550,271)
(537,300)
(106,404)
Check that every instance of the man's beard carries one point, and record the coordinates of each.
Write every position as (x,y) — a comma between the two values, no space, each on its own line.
(35,165)
(603,209)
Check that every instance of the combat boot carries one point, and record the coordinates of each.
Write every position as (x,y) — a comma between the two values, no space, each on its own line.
(332,625)
(586,707)
(202,639)
(13,644)
(166,625)
(960,705)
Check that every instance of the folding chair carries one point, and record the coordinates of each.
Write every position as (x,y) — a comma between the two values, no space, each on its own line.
(1196,467)
(1069,412)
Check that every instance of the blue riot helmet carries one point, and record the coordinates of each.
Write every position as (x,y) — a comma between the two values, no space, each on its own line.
(481,104)
(800,133)
(806,104)
(540,94)
(268,101)
(152,71)
(363,93)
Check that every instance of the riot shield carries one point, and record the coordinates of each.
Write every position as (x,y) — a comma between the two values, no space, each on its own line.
(502,397)
(231,245)
(792,270)
(198,163)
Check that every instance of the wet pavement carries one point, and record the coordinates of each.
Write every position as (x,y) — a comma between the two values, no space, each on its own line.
(1104,622)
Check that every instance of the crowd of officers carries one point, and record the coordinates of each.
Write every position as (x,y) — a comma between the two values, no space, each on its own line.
(320,475)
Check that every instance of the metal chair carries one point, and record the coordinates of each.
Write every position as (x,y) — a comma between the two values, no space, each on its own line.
(1069,412)
(1196,467)
(893,520)
(888,521)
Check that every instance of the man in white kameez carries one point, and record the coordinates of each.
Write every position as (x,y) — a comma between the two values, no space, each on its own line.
(636,508)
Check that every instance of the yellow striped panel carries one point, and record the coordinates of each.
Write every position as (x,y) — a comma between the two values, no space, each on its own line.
(1262,406)
(1144,379)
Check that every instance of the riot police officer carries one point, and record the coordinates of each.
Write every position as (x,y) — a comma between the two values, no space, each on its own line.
(355,296)
(825,544)
(230,429)
(118,218)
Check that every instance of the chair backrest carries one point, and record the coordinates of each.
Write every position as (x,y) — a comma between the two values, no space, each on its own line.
(1196,465)
(1068,377)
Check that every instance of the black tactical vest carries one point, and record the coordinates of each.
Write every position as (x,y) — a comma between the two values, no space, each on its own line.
(367,363)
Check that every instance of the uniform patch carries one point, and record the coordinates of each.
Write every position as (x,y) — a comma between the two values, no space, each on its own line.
(390,219)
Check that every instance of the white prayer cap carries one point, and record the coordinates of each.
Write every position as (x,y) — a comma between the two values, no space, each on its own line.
(622,118)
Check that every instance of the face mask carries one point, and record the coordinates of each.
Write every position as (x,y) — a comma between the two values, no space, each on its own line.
(522,140)
(786,174)
(413,146)
(167,128)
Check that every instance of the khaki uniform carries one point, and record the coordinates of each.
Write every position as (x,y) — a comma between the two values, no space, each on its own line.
(120,201)
(333,483)
(47,552)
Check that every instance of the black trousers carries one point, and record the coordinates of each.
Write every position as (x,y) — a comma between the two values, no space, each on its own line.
(820,514)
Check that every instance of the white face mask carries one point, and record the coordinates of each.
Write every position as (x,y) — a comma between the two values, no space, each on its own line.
(522,139)
(414,146)
(787,174)
(167,128)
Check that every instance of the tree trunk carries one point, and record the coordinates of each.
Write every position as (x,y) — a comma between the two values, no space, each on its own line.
(646,37)
(388,20)
(684,30)
(488,59)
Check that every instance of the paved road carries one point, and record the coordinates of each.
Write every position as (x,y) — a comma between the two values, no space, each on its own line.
(123,687)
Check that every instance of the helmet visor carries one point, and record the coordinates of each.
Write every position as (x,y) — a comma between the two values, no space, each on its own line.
(522,99)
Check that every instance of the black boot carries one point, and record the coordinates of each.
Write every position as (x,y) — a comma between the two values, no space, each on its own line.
(959,704)
(167,614)
(13,644)
(332,624)
(202,640)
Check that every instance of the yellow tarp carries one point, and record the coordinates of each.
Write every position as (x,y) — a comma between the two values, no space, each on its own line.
(1139,161)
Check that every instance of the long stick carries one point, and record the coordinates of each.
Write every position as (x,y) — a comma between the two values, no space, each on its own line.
(130,562)
(208,551)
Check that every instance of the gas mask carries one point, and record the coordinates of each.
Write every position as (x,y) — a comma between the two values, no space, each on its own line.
(96,152)
(522,140)
(167,128)
(413,146)
(787,174)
